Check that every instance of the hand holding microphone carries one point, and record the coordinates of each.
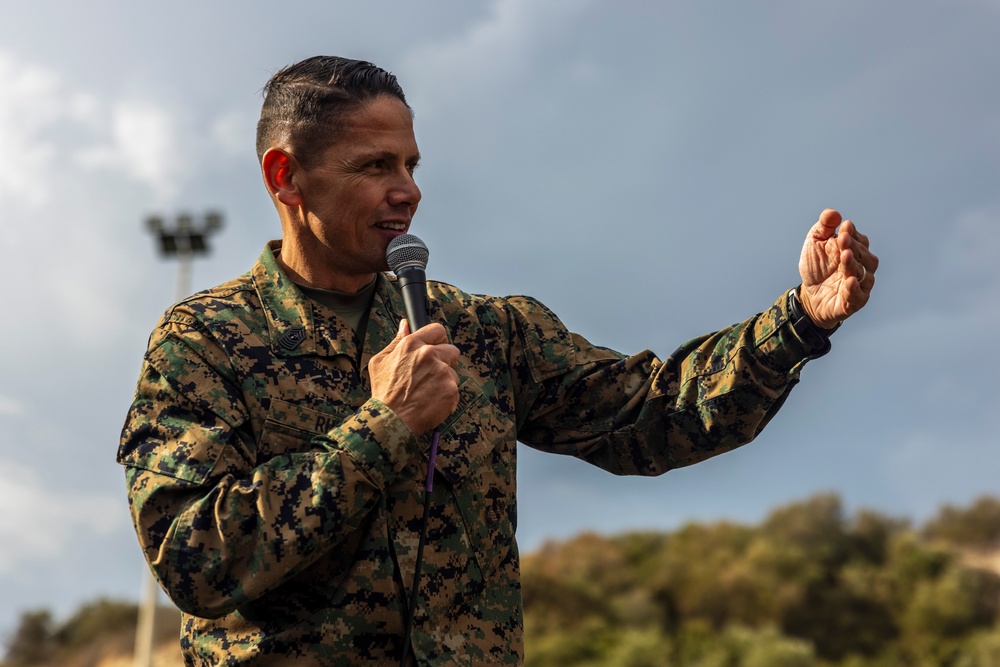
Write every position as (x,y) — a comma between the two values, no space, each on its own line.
(415,375)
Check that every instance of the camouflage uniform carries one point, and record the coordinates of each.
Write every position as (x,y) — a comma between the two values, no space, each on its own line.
(279,504)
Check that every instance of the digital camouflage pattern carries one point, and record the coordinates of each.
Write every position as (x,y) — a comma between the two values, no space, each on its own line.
(279,505)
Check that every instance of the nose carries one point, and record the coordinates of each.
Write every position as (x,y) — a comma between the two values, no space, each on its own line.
(405,192)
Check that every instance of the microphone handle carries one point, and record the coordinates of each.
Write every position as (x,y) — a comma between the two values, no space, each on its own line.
(413,282)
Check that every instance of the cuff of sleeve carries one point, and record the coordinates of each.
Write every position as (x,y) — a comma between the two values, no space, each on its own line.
(377,439)
(785,340)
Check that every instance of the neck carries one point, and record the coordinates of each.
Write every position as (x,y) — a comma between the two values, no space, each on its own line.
(309,272)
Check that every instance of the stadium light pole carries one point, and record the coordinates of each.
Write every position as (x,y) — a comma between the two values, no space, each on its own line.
(185,241)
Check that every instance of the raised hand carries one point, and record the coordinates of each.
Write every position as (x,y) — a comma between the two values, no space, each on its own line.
(837,270)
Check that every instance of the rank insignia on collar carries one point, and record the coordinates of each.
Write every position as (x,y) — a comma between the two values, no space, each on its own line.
(292,338)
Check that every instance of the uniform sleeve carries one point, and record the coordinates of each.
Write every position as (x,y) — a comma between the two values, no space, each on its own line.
(638,415)
(217,528)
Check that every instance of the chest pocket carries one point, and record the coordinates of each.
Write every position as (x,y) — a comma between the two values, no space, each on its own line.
(289,427)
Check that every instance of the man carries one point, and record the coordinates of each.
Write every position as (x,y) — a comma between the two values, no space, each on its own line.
(277,445)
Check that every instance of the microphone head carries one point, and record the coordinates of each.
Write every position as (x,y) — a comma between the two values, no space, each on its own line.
(406,251)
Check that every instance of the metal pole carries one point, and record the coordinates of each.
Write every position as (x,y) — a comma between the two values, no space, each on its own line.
(184,242)
(147,622)
(186,258)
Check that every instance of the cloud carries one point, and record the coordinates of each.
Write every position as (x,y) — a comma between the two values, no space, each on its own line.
(37,522)
(49,128)
(29,103)
(141,143)
(487,56)
(11,407)
(235,132)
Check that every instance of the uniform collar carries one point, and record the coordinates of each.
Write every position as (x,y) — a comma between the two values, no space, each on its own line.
(292,324)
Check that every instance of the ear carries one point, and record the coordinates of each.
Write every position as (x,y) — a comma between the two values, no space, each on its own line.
(279,167)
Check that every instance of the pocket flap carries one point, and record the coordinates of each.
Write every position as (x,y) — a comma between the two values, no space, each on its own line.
(289,427)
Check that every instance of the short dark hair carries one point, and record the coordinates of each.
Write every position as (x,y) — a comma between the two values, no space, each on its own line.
(305,102)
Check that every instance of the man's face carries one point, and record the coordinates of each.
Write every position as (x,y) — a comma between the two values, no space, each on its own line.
(360,194)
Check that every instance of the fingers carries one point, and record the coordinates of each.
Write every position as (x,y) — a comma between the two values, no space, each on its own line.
(850,230)
(431,334)
(851,267)
(858,261)
(434,338)
(447,353)
(826,226)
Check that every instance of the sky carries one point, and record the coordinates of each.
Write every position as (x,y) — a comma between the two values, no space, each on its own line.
(648,170)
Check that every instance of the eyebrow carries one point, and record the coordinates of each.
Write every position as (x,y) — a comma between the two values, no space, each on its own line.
(385,155)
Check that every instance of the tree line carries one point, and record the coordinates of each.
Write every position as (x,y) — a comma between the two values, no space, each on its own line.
(808,587)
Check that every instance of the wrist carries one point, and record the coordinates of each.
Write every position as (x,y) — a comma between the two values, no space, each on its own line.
(803,307)
(805,326)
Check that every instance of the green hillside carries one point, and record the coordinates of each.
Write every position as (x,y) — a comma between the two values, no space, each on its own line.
(807,587)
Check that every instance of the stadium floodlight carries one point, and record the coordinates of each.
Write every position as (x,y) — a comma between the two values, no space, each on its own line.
(185,240)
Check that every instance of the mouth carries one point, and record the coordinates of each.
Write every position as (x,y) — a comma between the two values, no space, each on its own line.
(392,226)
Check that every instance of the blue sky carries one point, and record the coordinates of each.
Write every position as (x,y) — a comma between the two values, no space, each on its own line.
(646,169)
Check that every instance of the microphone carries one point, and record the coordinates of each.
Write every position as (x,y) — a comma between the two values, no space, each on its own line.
(407,257)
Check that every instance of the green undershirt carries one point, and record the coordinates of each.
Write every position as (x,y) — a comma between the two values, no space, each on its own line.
(352,307)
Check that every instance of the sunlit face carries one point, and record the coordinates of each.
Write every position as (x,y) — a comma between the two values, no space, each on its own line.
(360,194)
